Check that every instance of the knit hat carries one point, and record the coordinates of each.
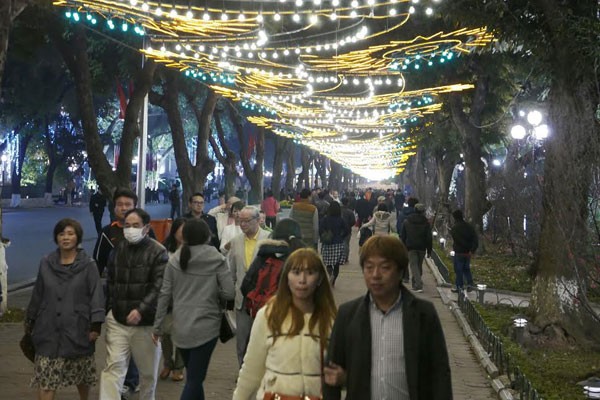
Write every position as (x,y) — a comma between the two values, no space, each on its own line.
(419,207)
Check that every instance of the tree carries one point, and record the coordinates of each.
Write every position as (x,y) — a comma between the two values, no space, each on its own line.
(303,177)
(9,10)
(290,167)
(254,174)
(280,146)
(225,155)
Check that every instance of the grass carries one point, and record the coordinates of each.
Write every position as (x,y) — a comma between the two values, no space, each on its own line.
(553,370)
(13,315)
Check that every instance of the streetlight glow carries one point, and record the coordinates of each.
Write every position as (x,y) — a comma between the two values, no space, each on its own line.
(534,117)
(518,132)
(541,132)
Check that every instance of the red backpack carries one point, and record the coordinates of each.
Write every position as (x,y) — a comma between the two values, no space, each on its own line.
(266,285)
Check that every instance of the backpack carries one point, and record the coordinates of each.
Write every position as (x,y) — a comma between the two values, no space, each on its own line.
(266,285)
(365,233)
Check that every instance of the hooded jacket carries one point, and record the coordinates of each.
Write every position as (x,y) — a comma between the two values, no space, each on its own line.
(382,223)
(416,233)
(267,248)
(65,303)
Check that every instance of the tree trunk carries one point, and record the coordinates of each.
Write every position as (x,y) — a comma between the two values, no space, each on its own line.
(9,10)
(303,177)
(227,159)
(335,176)
(290,167)
(280,146)
(321,167)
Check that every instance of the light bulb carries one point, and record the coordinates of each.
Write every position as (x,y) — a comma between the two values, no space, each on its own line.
(277,16)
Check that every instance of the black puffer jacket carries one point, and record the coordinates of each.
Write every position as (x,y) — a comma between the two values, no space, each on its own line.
(135,273)
(416,232)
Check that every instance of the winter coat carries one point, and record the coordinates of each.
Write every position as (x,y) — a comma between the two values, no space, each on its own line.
(307,216)
(337,226)
(401,216)
(381,223)
(416,233)
(464,238)
(348,216)
(196,294)
(135,274)
(65,303)
(266,248)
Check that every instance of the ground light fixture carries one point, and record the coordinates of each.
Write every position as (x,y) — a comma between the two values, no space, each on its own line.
(481,288)
(442,243)
(591,387)
(519,324)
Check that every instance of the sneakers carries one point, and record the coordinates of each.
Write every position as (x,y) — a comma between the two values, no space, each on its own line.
(455,290)
(470,288)
(417,290)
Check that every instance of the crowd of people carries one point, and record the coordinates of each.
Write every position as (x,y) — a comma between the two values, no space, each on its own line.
(276,275)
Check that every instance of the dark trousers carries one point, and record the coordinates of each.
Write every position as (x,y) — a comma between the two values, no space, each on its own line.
(132,379)
(196,362)
(175,209)
(462,269)
(271,222)
(98,221)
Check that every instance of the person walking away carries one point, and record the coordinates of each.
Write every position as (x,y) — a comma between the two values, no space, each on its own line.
(350,219)
(232,230)
(333,232)
(196,210)
(135,273)
(381,222)
(417,237)
(196,281)
(363,209)
(464,244)
(322,205)
(242,251)
(270,206)
(387,344)
(97,206)
(64,315)
(172,360)
(307,216)
(287,345)
(175,200)
(286,238)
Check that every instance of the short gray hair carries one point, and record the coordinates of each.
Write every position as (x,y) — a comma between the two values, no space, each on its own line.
(253,210)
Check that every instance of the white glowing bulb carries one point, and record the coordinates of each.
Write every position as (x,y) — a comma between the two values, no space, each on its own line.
(241,16)
(392,11)
(296,17)
(353,14)
(224,17)
(333,16)
(313,19)
(206,16)
(411,10)
(429,11)
(259,18)
(518,132)
(145,7)
(158,11)
(277,16)
(173,13)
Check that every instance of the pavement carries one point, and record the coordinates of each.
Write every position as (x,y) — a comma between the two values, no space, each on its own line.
(470,381)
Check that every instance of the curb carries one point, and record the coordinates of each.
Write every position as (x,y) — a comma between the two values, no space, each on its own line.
(21,285)
(501,390)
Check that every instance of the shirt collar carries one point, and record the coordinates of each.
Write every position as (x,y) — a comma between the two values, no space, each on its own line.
(394,306)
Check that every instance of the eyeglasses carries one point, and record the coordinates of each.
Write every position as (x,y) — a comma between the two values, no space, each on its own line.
(197,203)
(247,221)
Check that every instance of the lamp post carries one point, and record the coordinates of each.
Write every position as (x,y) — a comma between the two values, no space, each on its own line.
(520,324)
(591,387)
(481,292)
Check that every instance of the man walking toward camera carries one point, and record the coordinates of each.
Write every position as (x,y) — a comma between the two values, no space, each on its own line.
(465,243)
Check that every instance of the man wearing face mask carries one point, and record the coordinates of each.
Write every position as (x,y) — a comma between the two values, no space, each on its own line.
(135,271)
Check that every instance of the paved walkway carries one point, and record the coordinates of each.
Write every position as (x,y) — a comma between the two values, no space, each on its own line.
(469,380)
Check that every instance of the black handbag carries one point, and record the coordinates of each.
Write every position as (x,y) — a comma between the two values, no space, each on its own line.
(27,348)
(227,330)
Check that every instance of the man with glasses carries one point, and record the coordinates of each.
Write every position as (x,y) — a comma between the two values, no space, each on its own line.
(196,207)
(242,251)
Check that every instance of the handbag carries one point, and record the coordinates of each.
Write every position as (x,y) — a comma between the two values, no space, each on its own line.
(326,237)
(227,329)
(27,347)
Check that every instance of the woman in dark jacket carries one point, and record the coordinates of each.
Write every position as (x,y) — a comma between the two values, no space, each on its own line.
(332,231)
(286,238)
(64,315)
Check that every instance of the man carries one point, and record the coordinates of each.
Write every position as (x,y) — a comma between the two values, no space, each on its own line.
(417,237)
(307,216)
(175,201)
(242,251)
(322,205)
(465,243)
(97,206)
(388,344)
(363,209)
(335,196)
(196,210)
(350,219)
(135,272)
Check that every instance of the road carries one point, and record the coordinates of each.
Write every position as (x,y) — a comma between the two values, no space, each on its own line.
(30,234)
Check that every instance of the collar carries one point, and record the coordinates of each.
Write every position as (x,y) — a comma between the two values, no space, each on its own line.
(255,237)
(394,306)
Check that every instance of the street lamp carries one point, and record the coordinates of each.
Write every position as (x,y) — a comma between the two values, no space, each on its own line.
(481,292)
(520,324)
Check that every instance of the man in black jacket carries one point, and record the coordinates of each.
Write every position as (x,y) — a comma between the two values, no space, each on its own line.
(135,272)
(196,207)
(465,242)
(97,206)
(388,344)
(417,237)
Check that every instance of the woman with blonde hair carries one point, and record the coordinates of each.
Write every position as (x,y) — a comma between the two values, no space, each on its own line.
(285,354)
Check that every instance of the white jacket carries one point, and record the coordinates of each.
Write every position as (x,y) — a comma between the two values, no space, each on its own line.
(290,365)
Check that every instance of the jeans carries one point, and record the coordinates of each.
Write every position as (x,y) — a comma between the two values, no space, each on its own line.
(462,269)
(175,209)
(196,364)
(415,262)
(132,379)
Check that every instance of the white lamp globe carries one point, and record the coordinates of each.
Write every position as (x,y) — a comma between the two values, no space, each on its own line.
(534,117)
(518,132)
(541,132)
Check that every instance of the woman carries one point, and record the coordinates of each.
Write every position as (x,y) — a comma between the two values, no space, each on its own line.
(172,360)
(289,334)
(270,207)
(286,238)
(196,280)
(333,247)
(232,230)
(381,222)
(64,315)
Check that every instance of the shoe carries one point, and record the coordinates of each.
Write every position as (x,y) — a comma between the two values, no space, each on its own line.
(405,280)
(332,280)
(177,375)
(470,289)
(455,290)
(417,290)
(164,374)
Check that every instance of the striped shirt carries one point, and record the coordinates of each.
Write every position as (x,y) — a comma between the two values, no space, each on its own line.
(388,366)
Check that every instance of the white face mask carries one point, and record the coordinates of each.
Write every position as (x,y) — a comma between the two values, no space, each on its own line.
(133,235)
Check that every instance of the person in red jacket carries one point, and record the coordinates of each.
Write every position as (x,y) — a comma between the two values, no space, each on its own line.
(270,206)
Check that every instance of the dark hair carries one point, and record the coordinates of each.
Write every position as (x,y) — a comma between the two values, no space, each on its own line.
(289,230)
(334,210)
(170,242)
(238,205)
(194,195)
(382,207)
(141,213)
(386,246)
(321,195)
(412,201)
(269,193)
(345,201)
(304,193)
(66,222)
(125,192)
(458,215)
(195,232)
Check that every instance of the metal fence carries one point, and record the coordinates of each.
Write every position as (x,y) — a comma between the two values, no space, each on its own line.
(495,348)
